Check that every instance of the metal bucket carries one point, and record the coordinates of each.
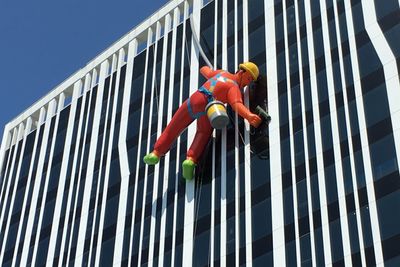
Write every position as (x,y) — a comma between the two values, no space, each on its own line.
(216,113)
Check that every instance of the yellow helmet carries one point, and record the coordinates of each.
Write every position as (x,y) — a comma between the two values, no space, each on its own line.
(250,67)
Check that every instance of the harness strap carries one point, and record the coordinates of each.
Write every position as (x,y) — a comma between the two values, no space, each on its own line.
(209,92)
(191,113)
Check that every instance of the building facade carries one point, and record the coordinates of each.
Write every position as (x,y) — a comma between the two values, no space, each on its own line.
(320,187)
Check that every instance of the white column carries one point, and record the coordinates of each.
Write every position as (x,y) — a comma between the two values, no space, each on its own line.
(100,173)
(88,179)
(92,153)
(22,133)
(278,231)
(336,138)
(63,176)
(6,175)
(348,127)
(213,181)
(24,205)
(388,60)
(237,151)
(223,223)
(167,157)
(392,84)
(3,148)
(153,98)
(160,104)
(47,178)
(17,133)
(247,171)
(104,67)
(305,139)
(123,154)
(291,134)
(35,196)
(178,163)
(6,144)
(318,141)
(189,197)
(64,244)
(139,158)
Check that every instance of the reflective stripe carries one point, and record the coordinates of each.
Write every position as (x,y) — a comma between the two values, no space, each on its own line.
(209,92)
(194,116)
(218,78)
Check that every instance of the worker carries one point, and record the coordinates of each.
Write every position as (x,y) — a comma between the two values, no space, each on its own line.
(221,86)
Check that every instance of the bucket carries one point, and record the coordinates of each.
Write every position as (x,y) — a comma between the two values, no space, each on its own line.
(216,113)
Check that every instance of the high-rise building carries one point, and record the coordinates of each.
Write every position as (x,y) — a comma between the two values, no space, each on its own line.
(319,187)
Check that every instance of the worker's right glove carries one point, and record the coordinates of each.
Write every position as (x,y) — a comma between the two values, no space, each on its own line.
(254,120)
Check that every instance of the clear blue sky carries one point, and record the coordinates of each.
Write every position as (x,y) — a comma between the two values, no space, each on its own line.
(43,42)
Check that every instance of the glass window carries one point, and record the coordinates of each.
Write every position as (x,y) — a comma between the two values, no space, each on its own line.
(322,86)
(319,247)
(336,241)
(347,177)
(388,222)
(291,254)
(262,223)
(302,199)
(296,103)
(288,205)
(305,245)
(283,110)
(359,164)
(107,253)
(205,204)
(358,20)
(368,59)
(256,9)
(318,43)
(394,262)
(353,231)
(315,192)
(311,141)
(392,36)
(285,157)
(383,9)
(201,249)
(281,66)
(256,44)
(366,226)
(299,148)
(342,126)
(294,63)
(383,157)
(264,260)
(326,131)
(330,180)
(353,118)
(376,105)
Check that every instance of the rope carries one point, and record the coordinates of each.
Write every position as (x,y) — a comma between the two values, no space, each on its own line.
(155,78)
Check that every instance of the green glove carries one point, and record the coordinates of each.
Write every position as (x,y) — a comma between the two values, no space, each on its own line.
(188,167)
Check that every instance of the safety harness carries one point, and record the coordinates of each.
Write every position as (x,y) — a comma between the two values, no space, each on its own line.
(209,92)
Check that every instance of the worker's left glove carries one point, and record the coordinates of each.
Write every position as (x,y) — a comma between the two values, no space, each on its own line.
(254,120)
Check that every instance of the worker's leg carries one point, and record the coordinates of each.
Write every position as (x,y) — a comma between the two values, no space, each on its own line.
(202,137)
(179,122)
(185,115)
(203,134)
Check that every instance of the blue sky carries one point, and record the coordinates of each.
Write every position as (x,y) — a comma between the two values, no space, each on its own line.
(43,42)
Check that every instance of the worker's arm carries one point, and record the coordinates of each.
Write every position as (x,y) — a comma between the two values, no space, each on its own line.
(235,100)
(208,72)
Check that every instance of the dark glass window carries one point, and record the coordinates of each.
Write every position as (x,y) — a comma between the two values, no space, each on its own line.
(389,224)
(383,157)
(262,223)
